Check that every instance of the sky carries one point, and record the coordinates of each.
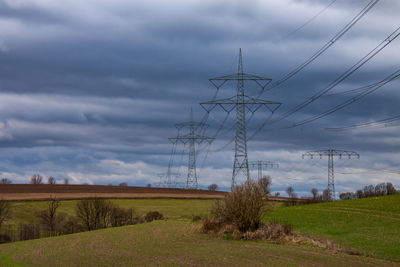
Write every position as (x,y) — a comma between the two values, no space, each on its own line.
(91,90)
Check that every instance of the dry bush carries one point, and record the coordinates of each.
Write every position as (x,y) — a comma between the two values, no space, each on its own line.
(94,213)
(212,225)
(269,231)
(196,218)
(120,216)
(153,215)
(4,210)
(242,207)
(28,231)
(5,238)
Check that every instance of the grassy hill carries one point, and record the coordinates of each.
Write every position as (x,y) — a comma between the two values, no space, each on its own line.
(370,225)
(167,243)
(25,211)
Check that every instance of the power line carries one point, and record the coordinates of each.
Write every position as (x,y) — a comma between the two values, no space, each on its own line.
(309,20)
(342,77)
(372,124)
(345,29)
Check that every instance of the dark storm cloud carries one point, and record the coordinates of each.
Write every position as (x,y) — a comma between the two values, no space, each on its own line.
(108,80)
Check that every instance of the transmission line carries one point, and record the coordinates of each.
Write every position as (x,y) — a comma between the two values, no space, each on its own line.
(345,29)
(341,78)
(372,124)
(309,20)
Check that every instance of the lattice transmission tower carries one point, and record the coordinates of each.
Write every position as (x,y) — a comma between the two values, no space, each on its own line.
(191,138)
(331,153)
(260,164)
(241,103)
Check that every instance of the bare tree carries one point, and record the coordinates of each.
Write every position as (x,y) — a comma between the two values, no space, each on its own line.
(123,184)
(4,210)
(277,194)
(51,180)
(148,185)
(314,193)
(265,183)
(390,189)
(94,213)
(213,187)
(326,195)
(290,192)
(5,181)
(360,193)
(36,179)
(49,217)
(66,181)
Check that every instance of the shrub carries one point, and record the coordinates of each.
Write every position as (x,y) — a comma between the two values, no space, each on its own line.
(120,216)
(153,215)
(94,213)
(4,210)
(242,207)
(196,218)
(28,231)
(211,225)
(5,238)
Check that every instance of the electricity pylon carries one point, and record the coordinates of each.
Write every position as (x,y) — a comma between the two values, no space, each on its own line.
(330,153)
(241,103)
(260,164)
(192,138)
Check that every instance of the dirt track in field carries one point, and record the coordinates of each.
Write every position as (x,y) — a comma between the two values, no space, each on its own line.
(40,192)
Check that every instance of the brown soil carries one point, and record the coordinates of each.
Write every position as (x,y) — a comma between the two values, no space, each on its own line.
(41,192)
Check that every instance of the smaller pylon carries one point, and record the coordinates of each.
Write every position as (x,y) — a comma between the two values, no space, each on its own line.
(260,164)
(192,138)
(330,153)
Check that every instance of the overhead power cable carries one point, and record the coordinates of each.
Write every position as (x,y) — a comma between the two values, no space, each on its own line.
(342,77)
(309,20)
(372,124)
(350,101)
(345,29)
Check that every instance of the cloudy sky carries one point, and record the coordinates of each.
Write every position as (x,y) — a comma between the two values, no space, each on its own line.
(91,90)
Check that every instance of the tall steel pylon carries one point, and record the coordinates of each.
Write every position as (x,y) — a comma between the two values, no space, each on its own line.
(192,138)
(330,153)
(241,103)
(260,164)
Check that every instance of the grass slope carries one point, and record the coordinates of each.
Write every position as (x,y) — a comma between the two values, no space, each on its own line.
(370,225)
(25,211)
(167,243)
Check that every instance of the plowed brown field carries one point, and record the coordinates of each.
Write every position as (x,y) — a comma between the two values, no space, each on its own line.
(39,192)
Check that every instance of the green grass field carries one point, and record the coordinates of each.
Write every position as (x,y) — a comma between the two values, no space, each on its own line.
(25,211)
(370,225)
(174,242)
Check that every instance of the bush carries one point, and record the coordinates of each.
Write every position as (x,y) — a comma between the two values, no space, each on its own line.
(4,210)
(94,213)
(5,238)
(152,216)
(242,207)
(120,216)
(28,231)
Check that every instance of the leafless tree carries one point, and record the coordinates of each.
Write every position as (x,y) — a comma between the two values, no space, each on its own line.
(51,180)
(265,183)
(314,192)
(290,192)
(94,213)
(277,194)
(49,217)
(36,179)
(5,181)
(148,185)
(66,181)
(4,210)
(326,195)
(390,189)
(123,184)
(213,187)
